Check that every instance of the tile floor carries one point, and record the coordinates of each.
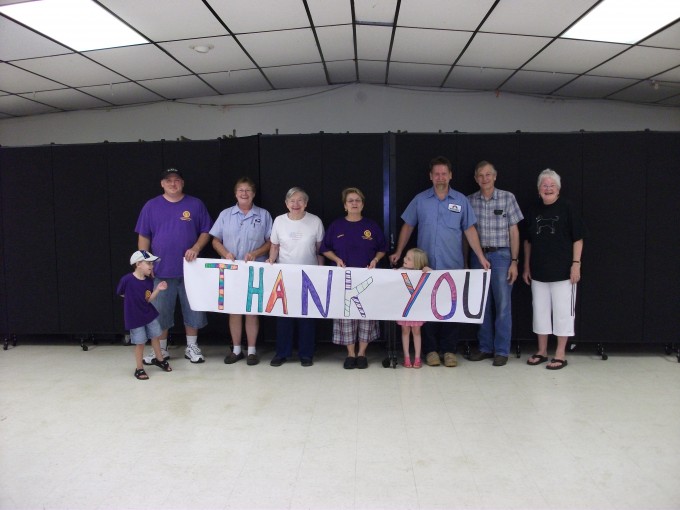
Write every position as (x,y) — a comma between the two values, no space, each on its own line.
(77,431)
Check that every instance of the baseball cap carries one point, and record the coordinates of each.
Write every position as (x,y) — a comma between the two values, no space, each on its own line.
(165,173)
(141,255)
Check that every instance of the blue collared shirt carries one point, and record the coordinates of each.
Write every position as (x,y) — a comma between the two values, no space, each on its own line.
(441,224)
(242,233)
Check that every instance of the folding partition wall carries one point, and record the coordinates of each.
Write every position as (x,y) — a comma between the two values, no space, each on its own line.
(67,215)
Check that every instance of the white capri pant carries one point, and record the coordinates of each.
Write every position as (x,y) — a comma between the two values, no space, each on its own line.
(554,307)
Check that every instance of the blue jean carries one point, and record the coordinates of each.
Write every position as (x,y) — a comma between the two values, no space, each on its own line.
(285,327)
(165,304)
(440,337)
(496,331)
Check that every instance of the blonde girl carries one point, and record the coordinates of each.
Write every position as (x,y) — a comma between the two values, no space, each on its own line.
(415,258)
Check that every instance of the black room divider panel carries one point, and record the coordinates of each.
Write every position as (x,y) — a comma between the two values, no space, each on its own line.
(83,247)
(134,178)
(75,205)
(4,326)
(29,240)
(613,197)
(662,239)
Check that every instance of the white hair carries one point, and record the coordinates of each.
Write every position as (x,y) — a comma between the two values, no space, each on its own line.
(549,173)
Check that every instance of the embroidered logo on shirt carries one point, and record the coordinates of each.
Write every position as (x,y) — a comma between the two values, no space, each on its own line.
(367,235)
(186,216)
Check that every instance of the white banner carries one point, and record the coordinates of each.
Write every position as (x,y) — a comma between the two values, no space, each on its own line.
(217,285)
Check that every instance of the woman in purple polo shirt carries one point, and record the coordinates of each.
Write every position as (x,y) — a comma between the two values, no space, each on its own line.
(354,241)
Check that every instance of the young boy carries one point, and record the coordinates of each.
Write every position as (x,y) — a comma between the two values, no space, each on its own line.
(141,318)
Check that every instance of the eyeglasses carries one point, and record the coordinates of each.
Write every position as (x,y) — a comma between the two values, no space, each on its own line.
(244,191)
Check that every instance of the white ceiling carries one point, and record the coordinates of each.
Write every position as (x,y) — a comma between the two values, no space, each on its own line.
(492,45)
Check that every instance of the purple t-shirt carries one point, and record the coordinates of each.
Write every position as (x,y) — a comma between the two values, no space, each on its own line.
(173,228)
(355,242)
(137,310)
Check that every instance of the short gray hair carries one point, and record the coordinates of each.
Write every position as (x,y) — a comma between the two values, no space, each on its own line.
(549,173)
(297,189)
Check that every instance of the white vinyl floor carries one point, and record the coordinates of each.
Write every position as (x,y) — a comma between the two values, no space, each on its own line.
(78,431)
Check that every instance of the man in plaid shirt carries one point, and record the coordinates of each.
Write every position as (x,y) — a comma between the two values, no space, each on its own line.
(497,217)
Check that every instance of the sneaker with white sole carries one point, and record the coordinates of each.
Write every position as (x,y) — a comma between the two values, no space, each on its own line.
(148,360)
(194,354)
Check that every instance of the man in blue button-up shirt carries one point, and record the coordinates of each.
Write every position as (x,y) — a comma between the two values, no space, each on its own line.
(442,216)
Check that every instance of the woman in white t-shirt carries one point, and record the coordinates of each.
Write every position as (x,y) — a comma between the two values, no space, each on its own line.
(296,237)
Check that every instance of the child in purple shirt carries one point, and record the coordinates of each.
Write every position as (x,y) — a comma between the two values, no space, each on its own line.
(141,318)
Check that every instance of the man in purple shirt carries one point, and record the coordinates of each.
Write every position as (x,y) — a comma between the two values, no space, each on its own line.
(176,227)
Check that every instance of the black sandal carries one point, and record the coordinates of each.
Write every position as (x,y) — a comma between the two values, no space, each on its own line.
(141,374)
(163,365)
(536,359)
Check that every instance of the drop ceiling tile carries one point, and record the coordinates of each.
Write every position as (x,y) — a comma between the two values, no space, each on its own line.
(226,55)
(123,93)
(247,80)
(501,51)
(639,62)
(645,92)
(19,106)
(373,43)
(420,75)
(671,101)
(72,70)
(372,71)
(536,82)
(669,38)
(281,48)
(167,20)
(376,11)
(593,86)
(342,71)
(303,75)
(477,78)
(140,62)
(242,16)
(17,42)
(13,79)
(573,56)
(330,12)
(179,87)
(428,46)
(447,14)
(337,43)
(66,99)
(521,16)
(672,75)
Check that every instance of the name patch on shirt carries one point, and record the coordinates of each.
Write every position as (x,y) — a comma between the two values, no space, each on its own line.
(454,208)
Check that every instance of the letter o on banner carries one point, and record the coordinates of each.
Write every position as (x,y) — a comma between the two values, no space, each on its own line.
(454,297)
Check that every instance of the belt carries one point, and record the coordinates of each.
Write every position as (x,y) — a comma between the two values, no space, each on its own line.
(490,249)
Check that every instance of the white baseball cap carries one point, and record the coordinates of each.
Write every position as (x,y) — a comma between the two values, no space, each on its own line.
(141,255)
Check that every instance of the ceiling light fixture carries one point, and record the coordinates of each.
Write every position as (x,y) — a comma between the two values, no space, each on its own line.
(79,24)
(625,21)
(202,48)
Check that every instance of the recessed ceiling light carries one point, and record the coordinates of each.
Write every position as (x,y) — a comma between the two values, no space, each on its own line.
(625,21)
(202,48)
(79,24)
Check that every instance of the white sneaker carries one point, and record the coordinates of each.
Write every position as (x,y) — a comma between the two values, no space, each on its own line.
(148,359)
(194,354)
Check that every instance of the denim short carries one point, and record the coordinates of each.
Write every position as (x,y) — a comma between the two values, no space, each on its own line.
(167,299)
(143,333)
